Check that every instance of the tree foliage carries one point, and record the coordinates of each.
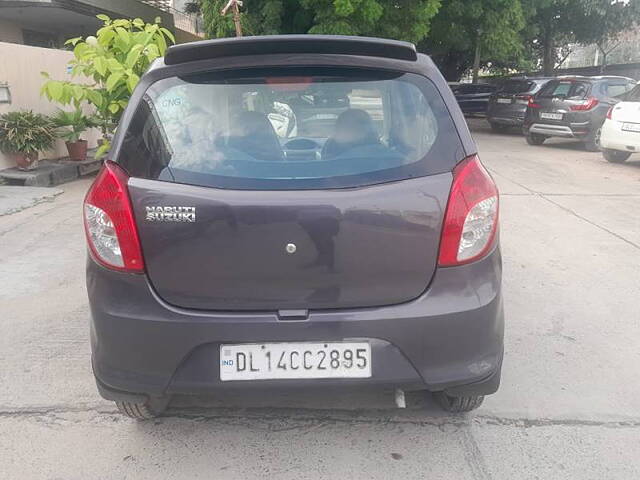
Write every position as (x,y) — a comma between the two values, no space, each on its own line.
(400,19)
(113,61)
(601,21)
(461,24)
(554,25)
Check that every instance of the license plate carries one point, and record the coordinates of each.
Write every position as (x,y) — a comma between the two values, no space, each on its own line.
(264,361)
(504,100)
(631,127)
(551,116)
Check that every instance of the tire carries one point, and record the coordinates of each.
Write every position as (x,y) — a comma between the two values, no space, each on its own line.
(615,156)
(592,142)
(143,411)
(498,128)
(458,404)
(535,139)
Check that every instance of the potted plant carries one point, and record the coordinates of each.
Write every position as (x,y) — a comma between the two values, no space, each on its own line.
(71,125)
(23,135)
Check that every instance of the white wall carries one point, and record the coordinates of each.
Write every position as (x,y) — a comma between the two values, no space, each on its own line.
(20,67)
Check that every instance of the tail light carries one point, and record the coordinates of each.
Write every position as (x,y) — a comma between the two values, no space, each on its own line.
(471,219)
(587,104)
(532,103)
(109,222)
(610,113)
(524,98)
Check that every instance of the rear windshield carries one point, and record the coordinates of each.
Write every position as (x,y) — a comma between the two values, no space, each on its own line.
(474,88)
(289,129)
(517,86)
(634,95)
(569,89)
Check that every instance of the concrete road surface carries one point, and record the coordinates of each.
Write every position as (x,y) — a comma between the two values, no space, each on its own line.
(569,406)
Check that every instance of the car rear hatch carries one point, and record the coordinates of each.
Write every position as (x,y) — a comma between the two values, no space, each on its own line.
(511,100)
(227,221)
(563,102)
(627,112)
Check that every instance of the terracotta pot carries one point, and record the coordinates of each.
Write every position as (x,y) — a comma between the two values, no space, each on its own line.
(77,150)
(25,161)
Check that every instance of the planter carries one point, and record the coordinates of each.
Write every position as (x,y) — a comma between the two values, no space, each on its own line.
(25,161)
(77,150)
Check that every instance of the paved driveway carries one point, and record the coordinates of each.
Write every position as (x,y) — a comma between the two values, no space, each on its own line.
(569,406)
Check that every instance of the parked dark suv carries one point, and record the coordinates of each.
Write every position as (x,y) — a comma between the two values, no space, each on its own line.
(508,105)
(573,107)
(473,98)
(293,211)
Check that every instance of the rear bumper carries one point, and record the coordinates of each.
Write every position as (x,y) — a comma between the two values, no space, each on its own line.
(450,338)
(564,131)
(504,120)
(614,138)
(511,115)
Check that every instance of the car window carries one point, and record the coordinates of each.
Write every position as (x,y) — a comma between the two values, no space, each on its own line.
(616,89)
(289,129)
(634,95)
(466,89)
(516,86)
(570,89)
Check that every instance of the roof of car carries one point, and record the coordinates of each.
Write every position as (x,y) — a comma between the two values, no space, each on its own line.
(525,77)
(594,78)
(274,44)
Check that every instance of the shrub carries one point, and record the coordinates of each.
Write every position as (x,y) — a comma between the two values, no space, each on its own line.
(26,132)
(113,60)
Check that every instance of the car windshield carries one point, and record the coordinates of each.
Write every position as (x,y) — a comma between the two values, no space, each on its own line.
(467,89)
(634,95)
(569,89)
(516,86)
(290,127)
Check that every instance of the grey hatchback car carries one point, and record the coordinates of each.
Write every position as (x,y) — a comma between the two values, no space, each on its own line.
(293,211)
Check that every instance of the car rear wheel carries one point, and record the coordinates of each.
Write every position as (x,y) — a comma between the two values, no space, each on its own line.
(458,404)
(143,410)
(615,156)
(497,127)
(592,142)
(535,139)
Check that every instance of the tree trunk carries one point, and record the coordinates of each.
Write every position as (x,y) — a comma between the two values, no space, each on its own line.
(476,60)
(548,55)
(450,65)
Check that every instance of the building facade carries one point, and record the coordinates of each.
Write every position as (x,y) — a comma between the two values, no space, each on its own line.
(48,23)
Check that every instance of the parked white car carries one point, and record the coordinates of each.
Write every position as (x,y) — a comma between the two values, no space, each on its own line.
(620,135)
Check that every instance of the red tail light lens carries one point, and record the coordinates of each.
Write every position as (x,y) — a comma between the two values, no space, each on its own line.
(532,103)
(610,113)
(587,104)
(471,219)
(109,222)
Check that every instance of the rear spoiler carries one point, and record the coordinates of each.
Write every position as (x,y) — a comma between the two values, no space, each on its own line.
(293,44)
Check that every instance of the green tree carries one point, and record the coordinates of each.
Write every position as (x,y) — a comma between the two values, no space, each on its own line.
(553,25)
(600,22)
(264,17)
(400,19)
(549,31)
(475,33)
(108,67)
